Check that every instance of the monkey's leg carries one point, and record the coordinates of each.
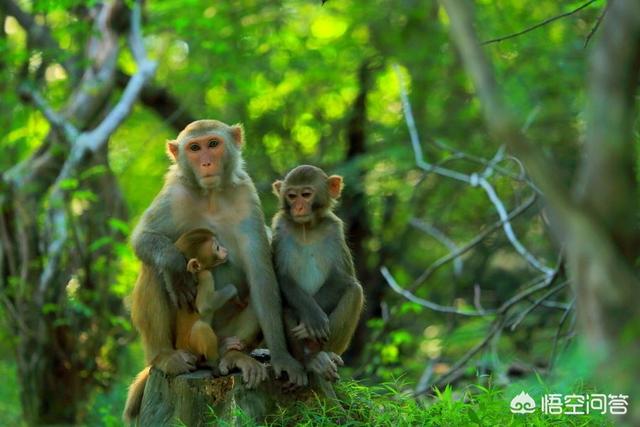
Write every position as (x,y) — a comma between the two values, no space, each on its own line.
(185,321)
(344,319)
(244,326)
(203,341)
(296,346)
(154,317)
(152,314)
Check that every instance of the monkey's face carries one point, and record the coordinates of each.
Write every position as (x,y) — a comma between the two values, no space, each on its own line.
(219,252)
(300,203)
(205,155)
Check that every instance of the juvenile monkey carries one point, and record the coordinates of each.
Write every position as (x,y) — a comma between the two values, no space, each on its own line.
(315,269)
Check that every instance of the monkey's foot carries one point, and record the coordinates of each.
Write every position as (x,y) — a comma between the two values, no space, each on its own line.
(295,371)
(253,372)
(176,362)
(325,364)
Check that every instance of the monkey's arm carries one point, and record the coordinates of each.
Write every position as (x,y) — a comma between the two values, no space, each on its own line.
(315,320)
(153,246)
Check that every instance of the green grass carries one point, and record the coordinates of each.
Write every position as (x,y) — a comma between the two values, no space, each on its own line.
(385,405)
(360,405)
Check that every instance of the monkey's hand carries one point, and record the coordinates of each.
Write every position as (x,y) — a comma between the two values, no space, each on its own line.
(313,325)
(253,372)
(177,362)
(325,364)
(293,368)
(231,343)
(180,285)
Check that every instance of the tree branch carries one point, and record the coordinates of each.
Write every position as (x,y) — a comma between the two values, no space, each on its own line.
(423,302)
(538,25)
(472,243)
(597,24)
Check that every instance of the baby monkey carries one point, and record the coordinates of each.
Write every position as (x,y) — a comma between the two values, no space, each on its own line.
(193,329)
(193,332)
(315,269)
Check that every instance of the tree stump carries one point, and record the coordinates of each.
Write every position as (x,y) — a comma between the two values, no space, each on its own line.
(197,397)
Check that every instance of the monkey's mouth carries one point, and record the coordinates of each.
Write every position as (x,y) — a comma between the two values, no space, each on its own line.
(220,261)
(301,219)
(210,181)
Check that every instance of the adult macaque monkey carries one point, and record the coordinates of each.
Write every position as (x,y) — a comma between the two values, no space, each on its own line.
(315,269)
(207,187)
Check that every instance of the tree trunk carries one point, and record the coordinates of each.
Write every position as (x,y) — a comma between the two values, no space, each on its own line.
(199,398)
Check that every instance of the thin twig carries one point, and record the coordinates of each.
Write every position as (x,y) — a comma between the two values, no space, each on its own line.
(537,303)
(442,238)
(496,327)
(538,25)
(472,243)
(597,24)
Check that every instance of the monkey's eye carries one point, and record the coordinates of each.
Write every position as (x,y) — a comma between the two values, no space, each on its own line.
(306,194)
(213,143)
(291,196)
(194,147)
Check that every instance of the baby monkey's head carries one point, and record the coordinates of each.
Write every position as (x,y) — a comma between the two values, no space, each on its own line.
(202,250)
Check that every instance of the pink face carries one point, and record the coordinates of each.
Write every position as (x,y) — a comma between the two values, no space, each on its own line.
(205,155)
(301,202)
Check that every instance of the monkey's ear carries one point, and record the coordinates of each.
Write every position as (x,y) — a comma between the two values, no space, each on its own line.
(172,150)
(335,186)
(276,186)
(237,132)
(193,266)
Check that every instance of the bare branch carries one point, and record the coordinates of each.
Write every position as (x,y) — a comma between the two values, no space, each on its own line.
(537,303)
(423,302)
(563,319)
(508,230)
(57,121)
(538,25)
(498,117)
(415,140)
(472,243)
(92,141)
(442,238)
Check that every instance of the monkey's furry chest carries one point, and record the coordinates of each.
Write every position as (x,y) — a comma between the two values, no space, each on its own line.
(309,264)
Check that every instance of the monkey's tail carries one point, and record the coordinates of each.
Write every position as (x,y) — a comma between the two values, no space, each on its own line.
(134,397)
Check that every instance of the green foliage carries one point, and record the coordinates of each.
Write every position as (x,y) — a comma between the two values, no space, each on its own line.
(386,405)
(290,71)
